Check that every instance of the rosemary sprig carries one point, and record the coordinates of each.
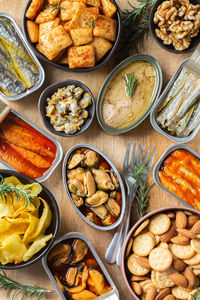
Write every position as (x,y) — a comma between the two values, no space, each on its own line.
(26,291)
(57,6)
(130,84)
(91,23)
(10,189)
(197,296)
(142,196)
(135,27)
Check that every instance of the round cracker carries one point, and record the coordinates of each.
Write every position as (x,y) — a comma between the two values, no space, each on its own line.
(134,267)
(141,227)
(163,280)
(160,259)
(195,243)
(196,272)
(129,247)
(183,251)
(146,285)
(153,278)
(195,260)
(143,244)
(164,245)
(181,293)
(159,224)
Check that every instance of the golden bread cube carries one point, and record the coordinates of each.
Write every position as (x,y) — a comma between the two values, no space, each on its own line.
(101,47)
(93,2)
(106,28)
(81,36)
(34,9)
(56,40)
(33,31)
(45,52)
(47,14)
(44,28)
(84,16)
(70,8)
(109,9)
(81,57)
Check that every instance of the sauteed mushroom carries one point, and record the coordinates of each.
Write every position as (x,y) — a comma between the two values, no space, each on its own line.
(97,199)
(60,254)
(103,180)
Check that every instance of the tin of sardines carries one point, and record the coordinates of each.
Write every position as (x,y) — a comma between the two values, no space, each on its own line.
(76,270)
(178,173)
(21,72)
(26,148)
(177,113)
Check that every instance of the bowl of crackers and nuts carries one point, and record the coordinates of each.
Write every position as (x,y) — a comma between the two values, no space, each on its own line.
(161,255)
(175,25)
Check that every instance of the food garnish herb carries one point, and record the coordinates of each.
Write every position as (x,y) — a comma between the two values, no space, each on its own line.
(91,23)
(57,6)
(130,84)
(135,27)
(197,296)
(142,195)
(26,291)
(8,189)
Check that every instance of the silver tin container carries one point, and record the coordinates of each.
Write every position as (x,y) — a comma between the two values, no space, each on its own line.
(114,295)
(32,55)
(115,71)
(153,112)
(64,176)
(59,153)
(161,160)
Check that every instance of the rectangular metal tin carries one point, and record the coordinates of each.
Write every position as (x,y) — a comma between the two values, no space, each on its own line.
(30,52)
(153,112)
(159,163)
(59,153)
(84,238)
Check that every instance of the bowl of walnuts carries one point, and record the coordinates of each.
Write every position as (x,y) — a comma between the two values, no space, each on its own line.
(161,255)
(175,25)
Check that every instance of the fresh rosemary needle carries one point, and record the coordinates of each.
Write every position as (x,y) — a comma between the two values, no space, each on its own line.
(91,23)
(8,189)
(27,291)
(130,84)
(57,6)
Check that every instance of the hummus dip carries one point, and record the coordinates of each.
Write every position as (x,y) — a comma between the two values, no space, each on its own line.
(120,111)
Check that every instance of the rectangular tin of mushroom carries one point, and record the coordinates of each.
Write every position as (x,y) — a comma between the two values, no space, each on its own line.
(26,148)
(171,174)
(24,72)
(153,120)
(87,267)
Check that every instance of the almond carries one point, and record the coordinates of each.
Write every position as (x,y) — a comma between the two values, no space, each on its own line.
(179,265)
(166,237)
(196,228)
(187,233)
(144,262)
(138,278)
(181,220)
(163,294)
(137,288)
(171,215)
(180,240)
(179,280)
(192,220)
(170,297)
(188,273)
(151,294)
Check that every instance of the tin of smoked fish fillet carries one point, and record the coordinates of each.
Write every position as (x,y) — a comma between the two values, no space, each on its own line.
(24,148)
(180,173)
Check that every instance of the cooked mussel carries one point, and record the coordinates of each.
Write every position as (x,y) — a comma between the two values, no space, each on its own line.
(78,201)
(96,281)
(75,160)
(114,179)
(82,285)
(91,217)
(97,199)
(91,159)
(101,211)
(108,220)
(84,295)
(71,276)
(77,173)
(76,187)
(60,254)
(113,207)
(89,183)
(103,180)
(80,249)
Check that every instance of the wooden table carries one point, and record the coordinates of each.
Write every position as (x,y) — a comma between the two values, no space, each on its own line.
(113,146)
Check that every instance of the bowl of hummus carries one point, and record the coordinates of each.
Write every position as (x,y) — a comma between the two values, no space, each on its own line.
(128,93)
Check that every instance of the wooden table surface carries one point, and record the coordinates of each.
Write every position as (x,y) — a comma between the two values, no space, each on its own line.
(113,146)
